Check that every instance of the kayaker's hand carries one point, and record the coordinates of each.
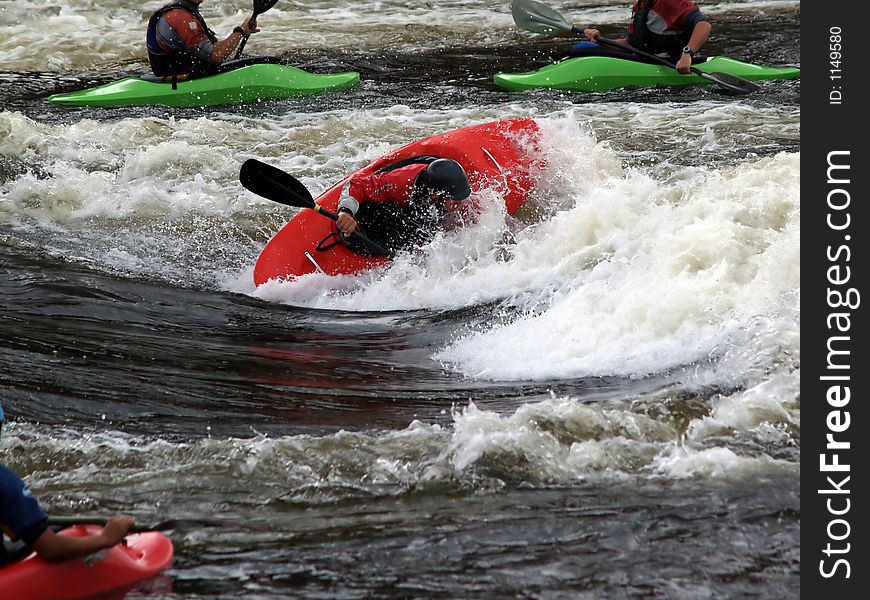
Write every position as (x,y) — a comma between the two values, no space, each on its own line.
(591,33)
(684,65)
(116,529)
(249,28)
(346,223)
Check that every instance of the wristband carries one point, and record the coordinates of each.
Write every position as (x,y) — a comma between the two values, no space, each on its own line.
(241,31)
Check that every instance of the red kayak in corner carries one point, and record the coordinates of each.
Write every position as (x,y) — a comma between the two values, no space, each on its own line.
(138,557)
(503,155)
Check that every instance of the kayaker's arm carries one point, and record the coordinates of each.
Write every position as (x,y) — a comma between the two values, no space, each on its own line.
(53,547)
(700,33)
(348,206)
(224,48)
(592,33)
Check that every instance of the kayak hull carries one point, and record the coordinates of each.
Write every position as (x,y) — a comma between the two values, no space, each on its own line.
(603,73)
(121,567)
(503,155)
(252,83)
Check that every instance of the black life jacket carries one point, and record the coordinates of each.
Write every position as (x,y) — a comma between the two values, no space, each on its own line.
(640,31)
(175,62)
(644,39)
(399,227)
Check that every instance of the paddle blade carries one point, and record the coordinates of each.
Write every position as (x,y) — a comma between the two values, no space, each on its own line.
(261,6)
(730,83)
(280,186)
(538,18)
(273,183)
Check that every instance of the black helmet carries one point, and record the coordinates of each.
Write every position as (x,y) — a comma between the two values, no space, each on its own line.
(448,177)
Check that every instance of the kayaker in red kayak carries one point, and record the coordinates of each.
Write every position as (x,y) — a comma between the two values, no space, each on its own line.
(675,27)
(22,520)
(403,204)
(180,42)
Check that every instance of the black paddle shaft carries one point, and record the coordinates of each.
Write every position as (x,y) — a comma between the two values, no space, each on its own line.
(260,6)
(169,525)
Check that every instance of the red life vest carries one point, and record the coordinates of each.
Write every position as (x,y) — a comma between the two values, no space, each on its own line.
(174,62)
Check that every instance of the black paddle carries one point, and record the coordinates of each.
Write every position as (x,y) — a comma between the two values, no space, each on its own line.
(281,187)
(260,6)
(162,526)
(539,18)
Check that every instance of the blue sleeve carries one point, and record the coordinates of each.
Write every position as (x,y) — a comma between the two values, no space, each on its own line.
(693,18)
(20,513)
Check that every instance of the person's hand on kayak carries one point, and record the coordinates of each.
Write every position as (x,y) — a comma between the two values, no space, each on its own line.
(346,223)
(248,28)
(116,529)
(53,547)
(684,65)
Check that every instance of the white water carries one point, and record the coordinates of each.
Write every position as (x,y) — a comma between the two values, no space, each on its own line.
(558,440)
(91,36)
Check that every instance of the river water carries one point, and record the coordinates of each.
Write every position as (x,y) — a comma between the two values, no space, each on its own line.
(612,413)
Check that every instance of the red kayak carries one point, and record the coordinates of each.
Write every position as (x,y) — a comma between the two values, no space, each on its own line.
(503,155)
(138,557)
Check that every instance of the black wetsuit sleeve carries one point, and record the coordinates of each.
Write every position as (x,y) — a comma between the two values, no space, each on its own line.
(693,18)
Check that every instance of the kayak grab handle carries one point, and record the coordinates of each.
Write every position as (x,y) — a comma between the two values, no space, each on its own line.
(498,166)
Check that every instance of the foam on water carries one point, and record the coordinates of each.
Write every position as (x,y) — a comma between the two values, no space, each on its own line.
(647,276)
(559,440)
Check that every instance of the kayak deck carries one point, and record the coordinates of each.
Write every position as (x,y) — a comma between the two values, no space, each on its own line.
(602,73)
(252,83)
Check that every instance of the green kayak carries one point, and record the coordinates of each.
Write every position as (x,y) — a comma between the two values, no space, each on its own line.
(249,83)
(602,73)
